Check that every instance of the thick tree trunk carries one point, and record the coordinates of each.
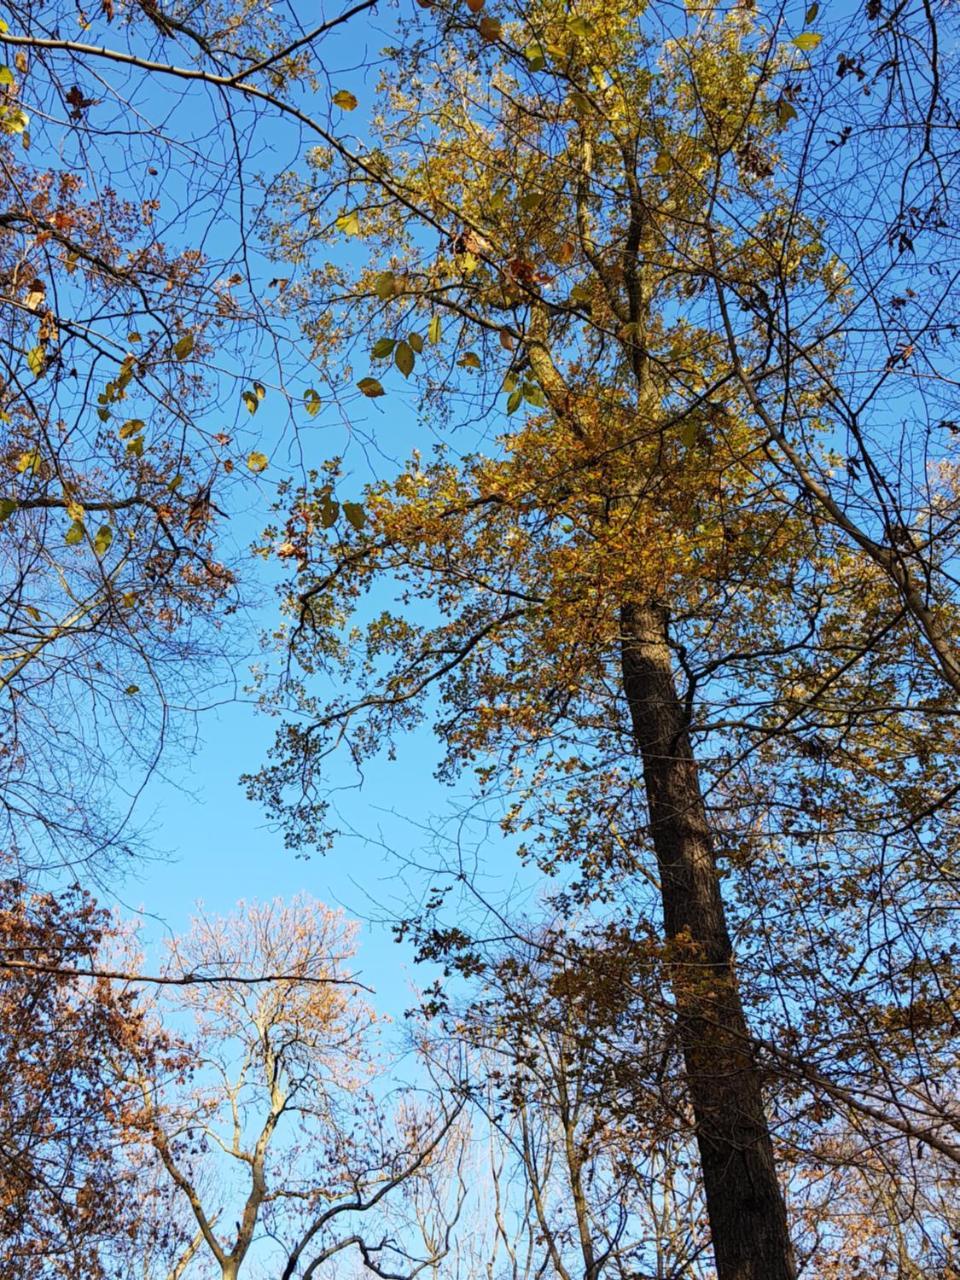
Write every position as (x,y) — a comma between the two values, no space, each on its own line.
(744,1202)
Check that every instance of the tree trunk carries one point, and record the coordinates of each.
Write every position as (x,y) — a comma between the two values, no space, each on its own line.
(747,1215)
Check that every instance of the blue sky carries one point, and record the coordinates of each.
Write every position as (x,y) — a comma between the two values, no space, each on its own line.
(209,842)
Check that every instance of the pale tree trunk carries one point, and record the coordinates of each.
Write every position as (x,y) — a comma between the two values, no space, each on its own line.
(745,1205)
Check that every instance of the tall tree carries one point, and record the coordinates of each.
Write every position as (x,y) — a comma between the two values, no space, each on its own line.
(272,1141)
(559,1096)
(634,616)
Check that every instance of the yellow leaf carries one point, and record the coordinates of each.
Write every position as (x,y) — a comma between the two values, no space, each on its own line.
(14,121)
(349,223)
(345,100)
(257,462)
(30,461)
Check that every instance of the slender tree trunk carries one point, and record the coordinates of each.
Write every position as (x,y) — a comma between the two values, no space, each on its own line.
(747,1215)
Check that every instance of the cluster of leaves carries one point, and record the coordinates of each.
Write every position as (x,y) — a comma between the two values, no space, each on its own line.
(67,1199)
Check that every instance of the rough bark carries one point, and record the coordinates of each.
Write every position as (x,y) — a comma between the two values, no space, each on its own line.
(744,1202)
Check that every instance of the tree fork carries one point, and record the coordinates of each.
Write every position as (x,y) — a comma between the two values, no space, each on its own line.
(745,1205)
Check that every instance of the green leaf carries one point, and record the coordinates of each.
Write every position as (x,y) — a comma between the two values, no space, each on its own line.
(355,514)
(509,381)
(383,348)
(807,41)
(349,223)
(131,427)
(329,510)
(434,330)
(250,400)
(257,462)
(311,402)
(580,26)
(131,689)
(785,112)
(514,399)
(415,341)
(811,15)
(101,543)
(7,507)
(74,534)
(534,395)
(36,361)
(371,387)
(344,99)
(535,56)
(184,346)
(404,358)
(385,285)
(6,75)
(663,163)
(690,434)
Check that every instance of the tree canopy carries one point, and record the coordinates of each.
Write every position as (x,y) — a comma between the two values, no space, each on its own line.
(648,313)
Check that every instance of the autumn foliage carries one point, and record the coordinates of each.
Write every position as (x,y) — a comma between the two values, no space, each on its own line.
(67,1194)
(661,549)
